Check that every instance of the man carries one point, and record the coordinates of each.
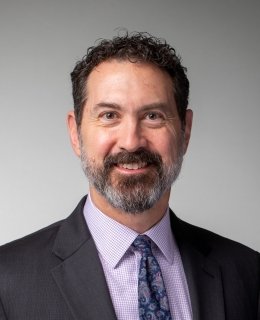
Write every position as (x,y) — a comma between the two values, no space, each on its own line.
(123,254)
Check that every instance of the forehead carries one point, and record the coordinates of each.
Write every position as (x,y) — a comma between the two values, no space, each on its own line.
(120,79)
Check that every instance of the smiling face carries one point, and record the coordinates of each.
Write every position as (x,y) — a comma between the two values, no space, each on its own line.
(131,142)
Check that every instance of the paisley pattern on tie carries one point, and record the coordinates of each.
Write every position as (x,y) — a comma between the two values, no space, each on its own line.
(152,297)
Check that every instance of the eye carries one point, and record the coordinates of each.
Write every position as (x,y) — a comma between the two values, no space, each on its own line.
(109,118)
(155,117)
(109,115)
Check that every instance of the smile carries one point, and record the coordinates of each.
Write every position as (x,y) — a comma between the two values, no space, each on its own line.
(132,166)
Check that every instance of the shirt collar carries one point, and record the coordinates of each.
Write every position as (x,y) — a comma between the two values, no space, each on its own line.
(113,239)
(161,234)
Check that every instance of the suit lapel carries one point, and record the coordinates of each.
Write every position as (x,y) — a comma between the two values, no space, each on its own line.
(80,276)
(203,274)
(205,285)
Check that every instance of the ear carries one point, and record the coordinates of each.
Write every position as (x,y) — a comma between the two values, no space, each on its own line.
(73,132)
(187,131)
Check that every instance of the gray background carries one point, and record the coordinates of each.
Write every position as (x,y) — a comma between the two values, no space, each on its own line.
(41,179)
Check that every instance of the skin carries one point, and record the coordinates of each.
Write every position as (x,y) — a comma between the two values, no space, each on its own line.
(129,106)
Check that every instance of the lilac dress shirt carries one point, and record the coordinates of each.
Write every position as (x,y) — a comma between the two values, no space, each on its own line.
(121,263)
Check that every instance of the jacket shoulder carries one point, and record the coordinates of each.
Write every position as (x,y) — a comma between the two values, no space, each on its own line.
(212,244)
(36,249)
(35,244)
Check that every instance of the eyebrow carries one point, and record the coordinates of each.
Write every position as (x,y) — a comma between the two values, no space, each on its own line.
(109,105)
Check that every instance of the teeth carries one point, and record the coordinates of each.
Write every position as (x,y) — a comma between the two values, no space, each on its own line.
(133,166)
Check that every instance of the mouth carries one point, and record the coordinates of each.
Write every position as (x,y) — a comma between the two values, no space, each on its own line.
(133,165)
(136,163)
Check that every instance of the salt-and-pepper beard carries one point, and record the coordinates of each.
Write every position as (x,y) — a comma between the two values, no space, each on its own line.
(132,194)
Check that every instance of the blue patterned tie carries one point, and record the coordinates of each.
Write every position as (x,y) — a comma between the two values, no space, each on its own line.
(152,297)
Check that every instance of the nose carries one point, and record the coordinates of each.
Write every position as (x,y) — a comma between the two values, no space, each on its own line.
(132,137)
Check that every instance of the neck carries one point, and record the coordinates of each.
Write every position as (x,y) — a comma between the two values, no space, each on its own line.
(140,222)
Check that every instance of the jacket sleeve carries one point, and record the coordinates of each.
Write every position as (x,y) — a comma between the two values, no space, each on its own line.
(2,312)
(258,313)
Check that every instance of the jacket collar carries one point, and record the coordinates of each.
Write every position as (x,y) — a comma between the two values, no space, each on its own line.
(80,276)
(202,272)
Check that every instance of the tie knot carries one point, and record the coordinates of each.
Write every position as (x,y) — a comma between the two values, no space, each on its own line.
(143,244)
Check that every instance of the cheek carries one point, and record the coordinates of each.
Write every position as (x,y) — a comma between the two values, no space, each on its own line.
(167,147)
(98,144)
(167,152)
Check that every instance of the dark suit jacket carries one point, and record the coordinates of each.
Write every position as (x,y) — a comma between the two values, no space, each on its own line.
(55,274)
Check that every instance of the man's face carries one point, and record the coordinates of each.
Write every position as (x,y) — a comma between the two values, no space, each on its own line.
(131,142)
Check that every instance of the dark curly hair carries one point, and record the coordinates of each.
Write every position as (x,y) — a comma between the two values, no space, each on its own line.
(135,47)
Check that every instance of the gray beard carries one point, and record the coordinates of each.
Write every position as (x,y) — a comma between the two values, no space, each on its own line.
(135,194)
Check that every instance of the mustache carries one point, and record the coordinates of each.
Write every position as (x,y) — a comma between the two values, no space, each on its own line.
(140,155)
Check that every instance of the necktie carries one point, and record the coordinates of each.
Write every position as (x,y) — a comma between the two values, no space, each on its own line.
(152,297)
